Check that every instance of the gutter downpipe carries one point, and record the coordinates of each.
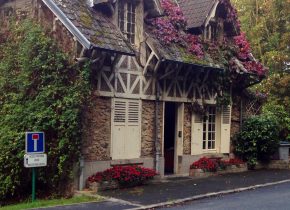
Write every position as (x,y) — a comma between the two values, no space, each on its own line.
(81,177)
(157,143)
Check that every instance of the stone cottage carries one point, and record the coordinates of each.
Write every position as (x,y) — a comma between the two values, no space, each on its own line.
(168,76)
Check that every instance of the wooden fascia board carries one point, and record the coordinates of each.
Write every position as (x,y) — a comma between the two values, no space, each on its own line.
(67,23)
(211,14)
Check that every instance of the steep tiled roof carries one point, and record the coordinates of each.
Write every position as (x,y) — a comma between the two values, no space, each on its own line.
(95,27)
(174,52)
(195,11)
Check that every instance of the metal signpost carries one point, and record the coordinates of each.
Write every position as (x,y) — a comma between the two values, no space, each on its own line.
(35,156)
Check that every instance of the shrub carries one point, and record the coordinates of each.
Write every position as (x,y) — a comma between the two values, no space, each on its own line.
(223,164)
(124,175)
(212,165)
(205,164)
(258,139)
(281,115)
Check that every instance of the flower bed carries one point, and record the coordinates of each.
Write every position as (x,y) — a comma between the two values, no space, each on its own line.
(120,176)
(206,167)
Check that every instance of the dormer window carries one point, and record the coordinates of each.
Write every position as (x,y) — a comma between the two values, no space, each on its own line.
(127,19)
(211,31)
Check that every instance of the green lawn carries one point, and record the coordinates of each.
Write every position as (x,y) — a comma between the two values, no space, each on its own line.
(56,202)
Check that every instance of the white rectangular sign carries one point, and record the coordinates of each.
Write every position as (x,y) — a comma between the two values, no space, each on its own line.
(35,160)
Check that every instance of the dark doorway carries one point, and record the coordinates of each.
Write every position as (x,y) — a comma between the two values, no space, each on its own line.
(169,137)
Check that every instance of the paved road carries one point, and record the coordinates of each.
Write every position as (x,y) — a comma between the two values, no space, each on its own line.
(270,198)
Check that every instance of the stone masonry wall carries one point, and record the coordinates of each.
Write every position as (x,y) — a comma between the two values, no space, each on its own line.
(187,130)
(148,128)
(97,130)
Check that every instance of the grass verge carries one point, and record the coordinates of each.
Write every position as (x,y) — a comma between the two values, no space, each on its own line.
(55,202)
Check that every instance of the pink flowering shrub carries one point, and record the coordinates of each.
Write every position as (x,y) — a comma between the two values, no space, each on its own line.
(124,175)
(205,164)
(212,165)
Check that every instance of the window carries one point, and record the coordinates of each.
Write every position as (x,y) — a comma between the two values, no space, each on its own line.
(209,130)
(211,133)
(211,31)
(127,19)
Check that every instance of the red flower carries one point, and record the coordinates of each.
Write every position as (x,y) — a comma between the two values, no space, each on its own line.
(206,164)
(125,175)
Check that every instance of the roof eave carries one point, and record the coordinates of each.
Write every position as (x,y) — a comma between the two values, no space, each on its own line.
(115,51)
(68,24)
(194,64)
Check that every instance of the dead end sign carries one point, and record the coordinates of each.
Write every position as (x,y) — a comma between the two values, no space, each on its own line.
(34,142)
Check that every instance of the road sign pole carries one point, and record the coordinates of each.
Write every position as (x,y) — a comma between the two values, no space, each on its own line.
(33,183)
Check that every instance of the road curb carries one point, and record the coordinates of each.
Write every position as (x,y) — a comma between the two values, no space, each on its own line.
(213,194)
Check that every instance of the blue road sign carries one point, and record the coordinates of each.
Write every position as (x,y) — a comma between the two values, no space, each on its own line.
(34,142)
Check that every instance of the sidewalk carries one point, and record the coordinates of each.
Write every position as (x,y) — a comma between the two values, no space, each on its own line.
(183,189)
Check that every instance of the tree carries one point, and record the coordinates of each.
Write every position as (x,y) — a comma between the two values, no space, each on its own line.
(266,23)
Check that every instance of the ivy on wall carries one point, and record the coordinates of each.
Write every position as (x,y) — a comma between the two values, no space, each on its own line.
(40,91)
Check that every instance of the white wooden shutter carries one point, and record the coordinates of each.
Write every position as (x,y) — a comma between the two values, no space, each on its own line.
(119,129)
(133,138)
(196,134)
(226,129)
(126,129)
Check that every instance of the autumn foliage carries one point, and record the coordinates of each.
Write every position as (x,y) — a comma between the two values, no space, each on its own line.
(171,29)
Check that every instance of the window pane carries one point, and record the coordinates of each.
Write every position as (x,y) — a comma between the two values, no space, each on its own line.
(132,39)
(128,28)
(209,145)
(133,29)
(121,26)
(129,7)
(129,18)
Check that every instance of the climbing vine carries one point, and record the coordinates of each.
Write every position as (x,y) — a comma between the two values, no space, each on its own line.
(171,29)
(231,15)
(40,91)
(244,54)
